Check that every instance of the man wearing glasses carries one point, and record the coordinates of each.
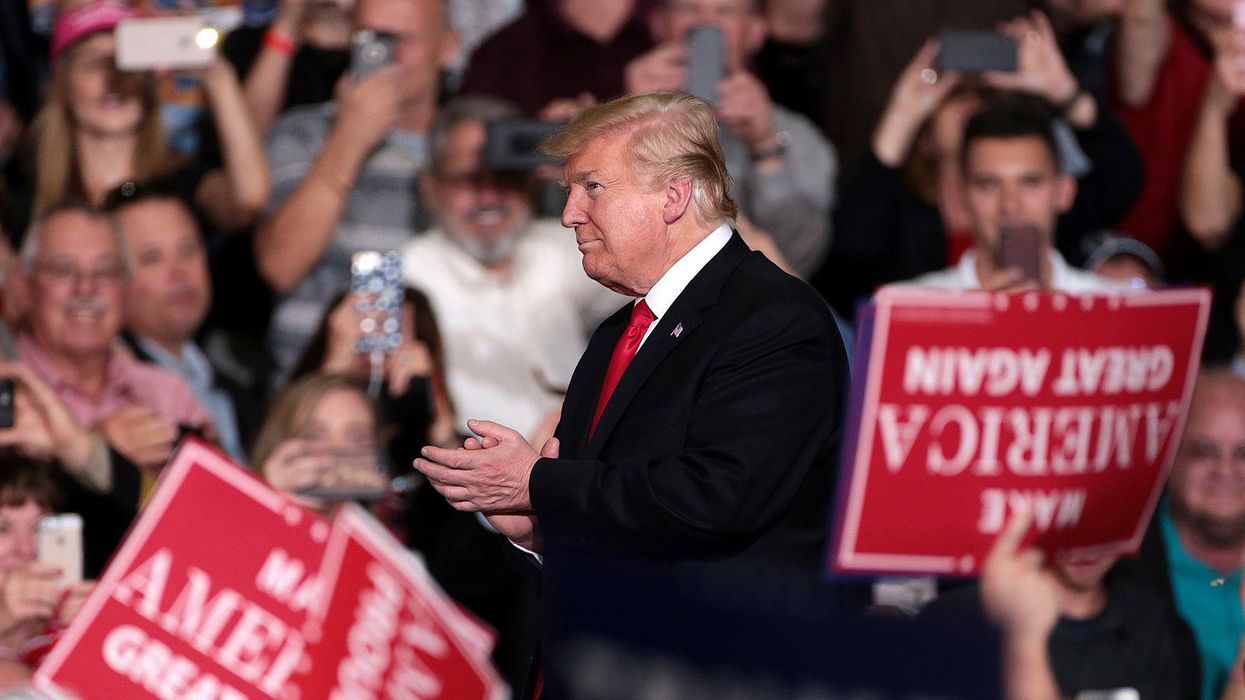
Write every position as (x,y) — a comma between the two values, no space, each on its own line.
(1193,550)
(76,268)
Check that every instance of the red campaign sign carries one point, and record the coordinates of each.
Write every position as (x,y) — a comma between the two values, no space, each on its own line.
(208,598)
(392,633)
(974,405)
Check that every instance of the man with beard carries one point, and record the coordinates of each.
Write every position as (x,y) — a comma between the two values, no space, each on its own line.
(76,269)
(167,297)
(515,310)
(1193,550)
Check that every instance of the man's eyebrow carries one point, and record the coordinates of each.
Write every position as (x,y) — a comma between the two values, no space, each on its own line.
(581,176)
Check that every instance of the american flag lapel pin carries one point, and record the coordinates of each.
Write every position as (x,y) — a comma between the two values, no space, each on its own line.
(678,330)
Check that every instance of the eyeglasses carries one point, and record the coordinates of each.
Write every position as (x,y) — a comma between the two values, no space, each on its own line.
(66,273)
(1206,451)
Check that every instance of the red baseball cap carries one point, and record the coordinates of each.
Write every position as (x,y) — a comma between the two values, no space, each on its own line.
(77,23)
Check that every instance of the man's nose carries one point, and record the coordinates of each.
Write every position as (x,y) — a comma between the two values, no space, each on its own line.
(85,283)
(572,214)
(1011,201)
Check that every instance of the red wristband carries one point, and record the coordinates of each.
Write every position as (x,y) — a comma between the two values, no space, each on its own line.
(276,40)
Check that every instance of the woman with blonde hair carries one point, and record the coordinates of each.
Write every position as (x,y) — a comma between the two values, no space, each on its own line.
(100,127)
(321,436)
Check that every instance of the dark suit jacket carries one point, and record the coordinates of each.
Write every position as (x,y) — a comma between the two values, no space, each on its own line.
(720,440)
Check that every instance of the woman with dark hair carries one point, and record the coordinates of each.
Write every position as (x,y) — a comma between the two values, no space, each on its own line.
(33,602)
(415,405)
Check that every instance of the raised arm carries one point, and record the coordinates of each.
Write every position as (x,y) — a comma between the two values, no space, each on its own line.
(1141,45)
(1210,192)
(290,243)
(266,82)
(235,194)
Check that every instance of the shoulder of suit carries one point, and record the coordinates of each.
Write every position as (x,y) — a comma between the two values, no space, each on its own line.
(758,281)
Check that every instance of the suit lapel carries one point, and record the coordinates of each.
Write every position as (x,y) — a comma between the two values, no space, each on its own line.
(703,291)
(585,387)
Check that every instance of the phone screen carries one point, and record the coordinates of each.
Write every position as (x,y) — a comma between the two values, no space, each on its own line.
(706,59)
(1021,248)
(60,544)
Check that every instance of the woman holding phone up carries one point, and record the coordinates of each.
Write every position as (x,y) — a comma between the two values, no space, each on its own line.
(100,127)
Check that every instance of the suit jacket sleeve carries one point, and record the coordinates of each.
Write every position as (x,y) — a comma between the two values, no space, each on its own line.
(765,409)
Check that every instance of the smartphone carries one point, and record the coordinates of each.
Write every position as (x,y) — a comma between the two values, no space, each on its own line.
(148,43)
(8,412)
(369,52)
(514,144)
(1021,248)
(60,544)
(376,278)
(355,475)
(706,61)
(974,52)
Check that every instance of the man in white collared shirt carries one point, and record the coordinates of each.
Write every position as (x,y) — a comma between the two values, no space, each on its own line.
(512,302)
(1013,181)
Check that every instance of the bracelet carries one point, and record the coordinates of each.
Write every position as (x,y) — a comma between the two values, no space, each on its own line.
(276,40)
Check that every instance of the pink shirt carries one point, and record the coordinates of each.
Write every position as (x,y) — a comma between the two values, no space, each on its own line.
(129,383)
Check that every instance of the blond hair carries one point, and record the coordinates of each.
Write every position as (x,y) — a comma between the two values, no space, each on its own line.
(293,408)
(58,175)
(673,136)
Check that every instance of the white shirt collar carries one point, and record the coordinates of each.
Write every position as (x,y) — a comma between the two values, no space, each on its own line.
(662,294)
(1060,270)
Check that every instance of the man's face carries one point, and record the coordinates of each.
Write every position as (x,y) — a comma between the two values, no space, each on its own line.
(617,217)
(742,29)
(169,291)
(76,283)
(484,210)
(424,42)
(1207,482)
(1014,183)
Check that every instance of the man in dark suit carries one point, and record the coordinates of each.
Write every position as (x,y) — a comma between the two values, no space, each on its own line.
(718,440)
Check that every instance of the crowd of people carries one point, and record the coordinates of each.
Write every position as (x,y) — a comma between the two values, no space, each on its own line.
(164,276)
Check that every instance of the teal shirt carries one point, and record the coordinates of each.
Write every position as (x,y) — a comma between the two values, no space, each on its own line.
(1210,603)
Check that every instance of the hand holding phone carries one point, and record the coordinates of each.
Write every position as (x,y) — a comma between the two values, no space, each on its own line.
(151,43)
(1020,248)
(60,545)
(376,280)
(706,61)
(976,52)
(369,52)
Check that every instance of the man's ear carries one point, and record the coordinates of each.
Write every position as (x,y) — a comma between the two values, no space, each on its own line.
(1067,192)
(678,199)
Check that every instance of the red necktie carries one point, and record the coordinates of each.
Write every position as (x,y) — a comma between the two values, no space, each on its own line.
(624,351)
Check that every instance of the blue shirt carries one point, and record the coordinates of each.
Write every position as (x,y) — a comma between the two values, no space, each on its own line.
(1210,603)
(193,366)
